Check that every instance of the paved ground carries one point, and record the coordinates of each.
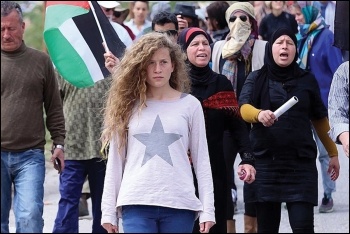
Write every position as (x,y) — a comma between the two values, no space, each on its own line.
(336,222)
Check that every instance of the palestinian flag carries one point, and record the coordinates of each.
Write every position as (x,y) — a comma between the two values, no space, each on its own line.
(74,41)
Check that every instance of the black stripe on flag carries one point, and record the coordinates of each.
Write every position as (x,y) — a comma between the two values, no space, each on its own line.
(87,26)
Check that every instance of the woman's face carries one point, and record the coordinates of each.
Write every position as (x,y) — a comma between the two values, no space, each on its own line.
(140,11)
(199,52)
(277,5)
(283,51)
(159,69)
(299,17)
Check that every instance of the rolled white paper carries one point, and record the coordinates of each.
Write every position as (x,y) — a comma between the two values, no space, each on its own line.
(286,106)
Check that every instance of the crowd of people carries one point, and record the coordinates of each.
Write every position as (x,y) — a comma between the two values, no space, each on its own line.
(195,87)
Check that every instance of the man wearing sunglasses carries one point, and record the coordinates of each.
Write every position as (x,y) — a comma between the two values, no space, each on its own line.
(166,22)
(119,15)
(108,8)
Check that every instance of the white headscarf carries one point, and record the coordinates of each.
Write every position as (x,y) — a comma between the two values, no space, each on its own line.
(239,30)
(239,33)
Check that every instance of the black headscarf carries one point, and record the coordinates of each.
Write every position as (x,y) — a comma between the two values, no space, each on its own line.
(270,70)
(198,75)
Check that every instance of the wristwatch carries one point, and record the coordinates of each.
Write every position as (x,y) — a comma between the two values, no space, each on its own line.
(59,147)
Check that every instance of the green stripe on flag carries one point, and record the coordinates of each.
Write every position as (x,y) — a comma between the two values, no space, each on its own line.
(72,34)
(56,15)
(67,47)
(74,72)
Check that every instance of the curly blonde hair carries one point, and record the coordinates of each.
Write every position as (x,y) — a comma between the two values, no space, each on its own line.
(129,86)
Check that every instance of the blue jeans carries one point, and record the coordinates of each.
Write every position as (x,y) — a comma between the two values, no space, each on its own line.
(26,171)
(323,157)
(72,179)
(157,219)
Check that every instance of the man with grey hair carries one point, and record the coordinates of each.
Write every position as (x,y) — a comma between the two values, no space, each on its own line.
(28,86)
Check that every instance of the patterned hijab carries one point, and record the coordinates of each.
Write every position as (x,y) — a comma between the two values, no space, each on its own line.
(314,24)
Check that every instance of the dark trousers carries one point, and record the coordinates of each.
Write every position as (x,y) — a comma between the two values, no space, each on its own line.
(220,190)
(230,153)
(301,216)
(71,183)
(250,209)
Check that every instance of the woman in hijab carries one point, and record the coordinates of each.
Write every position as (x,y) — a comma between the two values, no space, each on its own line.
(318,55)
(216,95)
(284,148)
(232,57)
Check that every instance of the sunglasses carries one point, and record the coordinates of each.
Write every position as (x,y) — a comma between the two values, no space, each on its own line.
(117,14)
(109,9)
(242,17)
(170,32)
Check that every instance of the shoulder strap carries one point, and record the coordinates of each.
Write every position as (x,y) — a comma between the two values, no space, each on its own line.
(258,54)
(216,55)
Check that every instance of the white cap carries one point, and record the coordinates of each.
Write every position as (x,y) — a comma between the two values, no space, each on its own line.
(108,4)
(201,13)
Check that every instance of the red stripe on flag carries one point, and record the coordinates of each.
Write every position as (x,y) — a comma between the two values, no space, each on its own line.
(83,4)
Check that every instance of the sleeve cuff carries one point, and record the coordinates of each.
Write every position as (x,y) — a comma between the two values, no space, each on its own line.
(205,217)
(109,219)
(336,130)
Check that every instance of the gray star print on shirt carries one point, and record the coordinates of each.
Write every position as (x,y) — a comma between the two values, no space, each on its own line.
(157,142)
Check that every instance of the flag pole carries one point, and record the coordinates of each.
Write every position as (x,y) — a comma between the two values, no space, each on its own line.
(99,26)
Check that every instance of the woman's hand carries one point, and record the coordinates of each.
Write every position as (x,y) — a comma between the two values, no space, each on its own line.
(110,228)
(111,61)
(205,227)
(267,118)
(247,172)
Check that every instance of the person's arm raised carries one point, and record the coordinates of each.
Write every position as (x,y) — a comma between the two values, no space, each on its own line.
(111,61)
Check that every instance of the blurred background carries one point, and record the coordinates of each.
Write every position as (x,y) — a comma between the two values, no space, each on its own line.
(34,16)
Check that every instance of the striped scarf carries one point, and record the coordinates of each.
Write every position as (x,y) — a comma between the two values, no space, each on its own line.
(314,24)
(229,70)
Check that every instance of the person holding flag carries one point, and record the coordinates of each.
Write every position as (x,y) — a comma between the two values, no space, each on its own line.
(107,8)
(74,32)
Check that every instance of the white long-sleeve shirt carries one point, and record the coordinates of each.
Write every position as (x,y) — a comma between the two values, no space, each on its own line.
(338,102)
(157,169)
(131,24)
